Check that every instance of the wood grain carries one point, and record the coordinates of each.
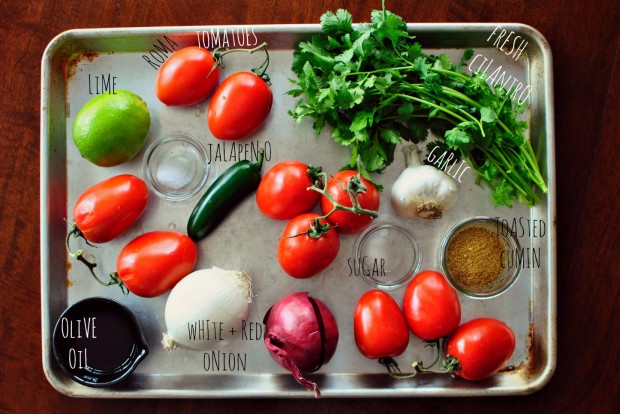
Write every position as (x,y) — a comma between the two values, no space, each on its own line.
(585,40)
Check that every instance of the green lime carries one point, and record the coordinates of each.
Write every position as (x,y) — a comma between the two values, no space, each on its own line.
(111,128)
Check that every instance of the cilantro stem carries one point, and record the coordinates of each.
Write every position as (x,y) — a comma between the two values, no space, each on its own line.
(434,105)
(515,179)
(528,153)
(382,70)
(419,88)
(463,97)
(451,73)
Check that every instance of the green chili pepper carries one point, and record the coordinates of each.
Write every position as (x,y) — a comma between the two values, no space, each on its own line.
(232,186)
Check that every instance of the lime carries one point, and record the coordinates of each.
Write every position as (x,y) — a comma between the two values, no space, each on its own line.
(111,128)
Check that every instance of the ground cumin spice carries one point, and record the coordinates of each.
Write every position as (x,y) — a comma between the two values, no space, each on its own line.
(474,256)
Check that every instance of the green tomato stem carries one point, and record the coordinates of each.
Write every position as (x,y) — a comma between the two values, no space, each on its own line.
(450,364)
(75,232)
(260,70)
(353,189)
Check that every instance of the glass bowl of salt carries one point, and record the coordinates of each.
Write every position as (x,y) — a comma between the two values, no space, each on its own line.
(176,167)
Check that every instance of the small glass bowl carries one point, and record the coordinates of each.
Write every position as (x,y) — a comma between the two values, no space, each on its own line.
(507,276)
(175,167)
(387,255)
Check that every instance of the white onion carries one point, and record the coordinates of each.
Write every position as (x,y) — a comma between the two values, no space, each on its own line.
(203,308)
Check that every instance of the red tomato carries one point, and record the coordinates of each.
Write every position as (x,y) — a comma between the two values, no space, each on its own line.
(481,347)
(108,208)
(347,222)
(379,326)
(431,306)
(283,191)
(302,256)
(154,262)
(239,106)
(187,77)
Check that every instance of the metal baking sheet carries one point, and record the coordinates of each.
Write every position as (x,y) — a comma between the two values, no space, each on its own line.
(72,68)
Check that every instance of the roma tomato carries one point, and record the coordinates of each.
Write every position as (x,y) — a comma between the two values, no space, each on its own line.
(303,256)
(108,208)
(345,221)
(431,306)
(154,262)
(283,191)
(187,77)
(239,106)
(481,347)
(379,326)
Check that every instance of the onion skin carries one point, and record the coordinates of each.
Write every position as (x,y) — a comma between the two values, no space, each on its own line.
(301,335)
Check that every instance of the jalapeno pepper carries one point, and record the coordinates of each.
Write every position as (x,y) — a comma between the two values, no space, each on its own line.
(232,186)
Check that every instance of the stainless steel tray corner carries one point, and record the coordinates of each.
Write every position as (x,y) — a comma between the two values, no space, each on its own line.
(72,56)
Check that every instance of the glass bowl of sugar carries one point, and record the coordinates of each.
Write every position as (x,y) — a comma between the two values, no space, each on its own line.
(176,167)
(386,255)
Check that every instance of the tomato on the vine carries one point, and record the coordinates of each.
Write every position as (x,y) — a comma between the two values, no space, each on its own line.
(283,191)
(188,76)
(346,221)
(379,326)
(481,347)
(431,306)
(301,252)
(154,262)
(239,106)
(107,209)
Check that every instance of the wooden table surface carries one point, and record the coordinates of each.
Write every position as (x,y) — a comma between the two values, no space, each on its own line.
(585,41)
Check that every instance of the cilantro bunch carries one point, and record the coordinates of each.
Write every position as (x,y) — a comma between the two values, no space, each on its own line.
(374,86)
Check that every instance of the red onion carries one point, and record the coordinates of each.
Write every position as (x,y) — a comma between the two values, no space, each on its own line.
(301,335)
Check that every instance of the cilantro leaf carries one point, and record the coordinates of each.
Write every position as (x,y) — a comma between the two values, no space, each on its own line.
(488,115)
(361,121)
(458,139)
(389,26)
(390,135)
(468,54)
(338,23)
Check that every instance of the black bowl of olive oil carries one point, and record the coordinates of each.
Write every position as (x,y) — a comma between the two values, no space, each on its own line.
(98,342)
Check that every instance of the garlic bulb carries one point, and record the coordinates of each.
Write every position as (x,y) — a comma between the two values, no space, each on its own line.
(422,190)
(206,309)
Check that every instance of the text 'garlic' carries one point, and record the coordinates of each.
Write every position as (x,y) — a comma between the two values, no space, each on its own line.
(422,190)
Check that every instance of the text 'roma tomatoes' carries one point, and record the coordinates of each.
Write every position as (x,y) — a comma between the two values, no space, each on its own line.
(303,256)
(154,262)
(481,347)
(431,306)
(239,106)
(107,209)
(187,77)
(347,222)
(283,191)
(379,326)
